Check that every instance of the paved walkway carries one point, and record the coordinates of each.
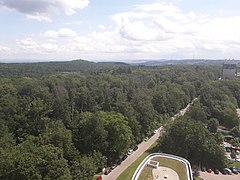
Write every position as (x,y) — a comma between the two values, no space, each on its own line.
(164,173)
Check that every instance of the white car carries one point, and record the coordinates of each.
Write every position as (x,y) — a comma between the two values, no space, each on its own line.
(228,171)
(130,152)
(155,131)
(228,156)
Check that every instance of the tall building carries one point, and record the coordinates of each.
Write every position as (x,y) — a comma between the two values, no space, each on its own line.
(229,70)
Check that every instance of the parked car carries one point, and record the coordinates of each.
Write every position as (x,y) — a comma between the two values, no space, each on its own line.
(130,152)
(223,171)
(228,156)
(228,171)
(135,148)
(234,170)
(107,171)
(119,161)
(228,149)
(209,170)
(146,139)
(155,131)
(124,157)
(203,169)
(114,166)
(216,171)
(238,169)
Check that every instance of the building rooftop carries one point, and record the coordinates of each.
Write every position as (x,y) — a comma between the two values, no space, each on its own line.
(160,166)
(229,66)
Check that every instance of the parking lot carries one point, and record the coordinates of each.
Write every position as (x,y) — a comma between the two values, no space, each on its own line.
(212,176)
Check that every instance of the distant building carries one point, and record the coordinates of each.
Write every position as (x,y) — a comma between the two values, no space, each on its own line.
(229,70)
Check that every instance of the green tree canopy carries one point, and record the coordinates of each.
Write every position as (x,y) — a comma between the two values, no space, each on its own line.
(199,144)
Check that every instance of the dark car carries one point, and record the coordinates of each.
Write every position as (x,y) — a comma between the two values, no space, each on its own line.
(203,169)
(135,148)
(234,170)
(119,162)
(238,169)
(228,149)
(223,171)
(124,157)
(114,166)
(216,171)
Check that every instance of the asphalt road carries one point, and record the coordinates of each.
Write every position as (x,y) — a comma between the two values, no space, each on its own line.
(133,157)
(141,149)
(212,176)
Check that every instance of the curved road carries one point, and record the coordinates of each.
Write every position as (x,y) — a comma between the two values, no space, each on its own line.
(142,147)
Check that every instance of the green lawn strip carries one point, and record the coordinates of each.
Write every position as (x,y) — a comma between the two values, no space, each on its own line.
(234,164)
(128,173)
(197,178)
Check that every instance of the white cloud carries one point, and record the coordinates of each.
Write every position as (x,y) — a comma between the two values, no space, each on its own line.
(49,48)
(102,27)
(148,31)
(51,34)
(66,32)
(27,43)
(4,49)
(159,7)
(63,32)
(42,10)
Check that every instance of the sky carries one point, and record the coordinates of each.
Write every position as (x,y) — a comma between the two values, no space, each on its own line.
(110,30)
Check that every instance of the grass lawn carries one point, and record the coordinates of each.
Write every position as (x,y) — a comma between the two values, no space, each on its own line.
(146,173)
(234,164)
(128,173)
(197,178)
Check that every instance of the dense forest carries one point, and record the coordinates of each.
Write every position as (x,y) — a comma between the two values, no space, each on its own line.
(69,125)
(45,68)
(197,129)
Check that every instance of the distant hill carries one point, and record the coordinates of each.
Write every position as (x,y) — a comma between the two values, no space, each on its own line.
(41,68)
(83,66)
(184,61)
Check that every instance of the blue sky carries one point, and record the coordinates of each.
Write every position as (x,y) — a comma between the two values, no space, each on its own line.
(108,30)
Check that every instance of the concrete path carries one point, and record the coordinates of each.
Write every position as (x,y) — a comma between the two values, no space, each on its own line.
(164,173)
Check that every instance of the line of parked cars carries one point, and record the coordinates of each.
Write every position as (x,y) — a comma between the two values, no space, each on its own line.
(108,170)
(224,171)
